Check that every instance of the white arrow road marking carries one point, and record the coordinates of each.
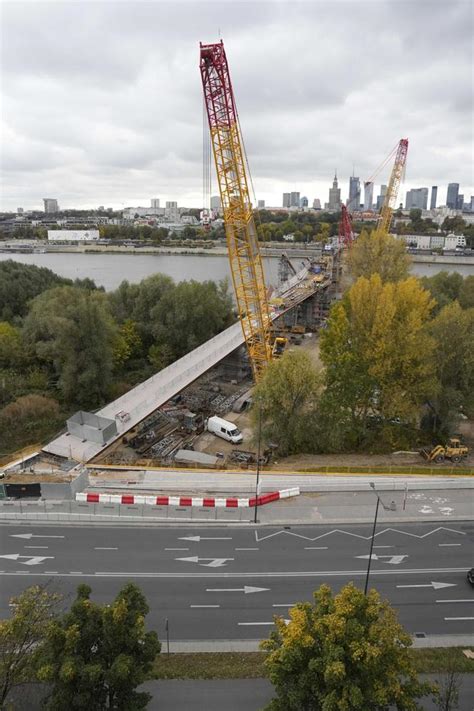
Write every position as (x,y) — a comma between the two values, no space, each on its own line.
(356,535)
(32,560)
(214,562)
(393,559)
(31,535)
(246,589)
(470,600)
(202,538)
(435,586)
(248,624)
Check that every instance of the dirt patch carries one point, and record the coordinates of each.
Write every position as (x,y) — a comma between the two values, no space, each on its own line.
(307,461)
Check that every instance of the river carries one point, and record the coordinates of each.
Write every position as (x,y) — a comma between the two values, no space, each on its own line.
(108,270)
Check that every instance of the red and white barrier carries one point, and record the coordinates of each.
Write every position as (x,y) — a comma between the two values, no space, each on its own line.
(211,502)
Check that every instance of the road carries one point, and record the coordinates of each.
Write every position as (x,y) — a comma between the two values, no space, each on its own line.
(226,583)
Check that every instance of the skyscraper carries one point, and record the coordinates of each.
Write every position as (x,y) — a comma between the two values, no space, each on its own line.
(460,201)
(304,202)
(316,204)
(353,200)
(50,205)
(155,202)
(368,195)
(452,195)
(294,199)
(334,195)
(215,202)
(417,198)
(286,200)
(261,204)
(434,197)
(381,196)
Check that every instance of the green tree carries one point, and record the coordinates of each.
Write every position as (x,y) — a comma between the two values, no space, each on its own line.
(159,356)
(342,653)
(466,292)
(97,655)
(378,355)
(19,283)
(453,331)
(20,635)
(190,314)
(128,343)
(72,331)
(287,398)
(416,220)
(10,346)
(444,286)
(379,253)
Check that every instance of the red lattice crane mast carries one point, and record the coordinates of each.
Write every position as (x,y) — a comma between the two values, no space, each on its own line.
(242,242)
(346,231)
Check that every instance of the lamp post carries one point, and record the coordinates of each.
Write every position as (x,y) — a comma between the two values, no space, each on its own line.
(392,507)
(258,457)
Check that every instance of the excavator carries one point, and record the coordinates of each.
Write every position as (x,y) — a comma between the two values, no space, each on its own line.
(453,450)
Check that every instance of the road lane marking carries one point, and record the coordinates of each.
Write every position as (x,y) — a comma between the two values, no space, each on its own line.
(460,619)
(213,606)
(197,539)
(290,604)
(176,549)
(316,548)
(435,586)
(38,547)
(32,535)
(467,600)
(356,535)
(246,589)
(105,549)
(449,544)
(393,559)
(251,624)
(387,546)
(214,562)
(51,572)
(247,549)
(254,574)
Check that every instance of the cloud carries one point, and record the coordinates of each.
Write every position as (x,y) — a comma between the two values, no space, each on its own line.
(103,101)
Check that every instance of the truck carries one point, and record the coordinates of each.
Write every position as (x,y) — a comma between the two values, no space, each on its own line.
(224,429)
(279,346)
(453,450)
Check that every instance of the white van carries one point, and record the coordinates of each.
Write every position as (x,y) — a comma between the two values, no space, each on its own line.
(225,429)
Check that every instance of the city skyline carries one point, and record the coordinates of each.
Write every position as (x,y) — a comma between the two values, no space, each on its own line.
(123,120)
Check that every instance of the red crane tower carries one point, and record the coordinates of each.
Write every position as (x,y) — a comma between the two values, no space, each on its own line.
(346,231)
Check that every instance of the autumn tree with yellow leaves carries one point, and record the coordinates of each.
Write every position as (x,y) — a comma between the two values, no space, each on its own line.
(346,652)
(379,253)
(378,355)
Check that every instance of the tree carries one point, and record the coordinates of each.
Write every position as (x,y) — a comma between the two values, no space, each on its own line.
(10,346)
(416,219)
(444,286)
(19,283)
(97,655)
(287,396)
(72,331)
(378,355)
(342,653)
(379,253)
(20,635)
(128,343)
(453,331)
(190,314)
(466,292)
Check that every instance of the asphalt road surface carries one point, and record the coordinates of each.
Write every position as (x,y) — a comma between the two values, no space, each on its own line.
(227,583)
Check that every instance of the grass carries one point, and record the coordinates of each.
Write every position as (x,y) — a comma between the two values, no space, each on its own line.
(250,665)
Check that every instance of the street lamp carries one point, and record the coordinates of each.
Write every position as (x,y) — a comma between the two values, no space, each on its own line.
(392,507)
(258,456)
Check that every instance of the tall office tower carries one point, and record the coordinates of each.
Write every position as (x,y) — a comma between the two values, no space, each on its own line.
(368,195)
(381,196)
(50,205)
(215,203)
(353,201)
(334,195)
(294,199)
(155,202)
(304,202)
(286,200)
(434,197)
(171,204)
(416,198)
(472,203)
(261,204)
(452,195)
(316,204)
(460,201)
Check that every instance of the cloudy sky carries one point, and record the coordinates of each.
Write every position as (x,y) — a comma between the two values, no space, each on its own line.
(102,101)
